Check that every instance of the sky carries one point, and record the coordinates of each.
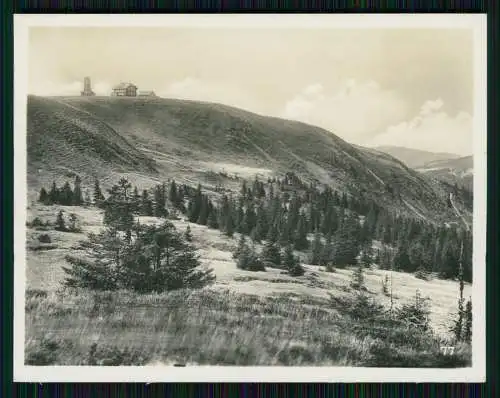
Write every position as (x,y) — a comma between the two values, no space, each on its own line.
(371,87)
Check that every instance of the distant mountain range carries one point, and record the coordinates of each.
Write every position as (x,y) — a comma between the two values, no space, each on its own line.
(416,158)
(447,167)
(154,139)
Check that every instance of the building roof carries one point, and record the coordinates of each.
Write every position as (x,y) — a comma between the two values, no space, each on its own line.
(123,86)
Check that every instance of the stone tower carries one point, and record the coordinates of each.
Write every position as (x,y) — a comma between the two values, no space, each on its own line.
(87,88)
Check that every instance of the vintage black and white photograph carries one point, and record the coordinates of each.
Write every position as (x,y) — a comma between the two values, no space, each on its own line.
(250,198)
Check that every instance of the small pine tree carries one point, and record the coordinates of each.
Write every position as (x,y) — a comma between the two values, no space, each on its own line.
(77,199)
(240,247)
(66,197)
(60,223)
(385,285)
(54,194)
(358,278)
(188,235)
(146,204)
(292,263)
(271,251)
(72,226)
(98,196)
(248,259)
(468,322)
(213,221)
(43,197)
(316,249)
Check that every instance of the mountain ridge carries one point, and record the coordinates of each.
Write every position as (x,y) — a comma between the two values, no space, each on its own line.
(163,138)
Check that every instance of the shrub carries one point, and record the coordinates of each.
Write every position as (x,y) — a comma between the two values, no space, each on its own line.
(248,259)
(415,314)
(44,238)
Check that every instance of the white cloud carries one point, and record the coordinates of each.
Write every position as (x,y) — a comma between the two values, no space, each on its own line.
(354,111)
(432,130)
(202,90)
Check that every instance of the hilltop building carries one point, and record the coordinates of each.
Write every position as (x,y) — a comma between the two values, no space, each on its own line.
(87,88)
(124,90)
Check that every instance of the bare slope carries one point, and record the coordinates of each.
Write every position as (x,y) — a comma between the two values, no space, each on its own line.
(188,139)
(62,140)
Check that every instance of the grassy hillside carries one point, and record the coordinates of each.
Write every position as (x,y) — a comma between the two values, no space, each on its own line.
(63,141)
(192,141)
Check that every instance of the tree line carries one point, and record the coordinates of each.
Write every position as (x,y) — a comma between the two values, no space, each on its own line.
(335,229)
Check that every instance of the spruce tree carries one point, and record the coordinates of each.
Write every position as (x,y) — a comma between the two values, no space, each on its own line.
(250,219)
(213,218)
(66,196)
(301,242)
(43,197)
(146,204)
(136,200)
(468,322)
(73,223)
(240,247)
(204,211)
(160,209)
(77,192)
(316,249)
(118,208)
(99,269)
(358,278)
(291,263)
(188,235)
(271,250)
(98,195)
(60,222)
(54,194)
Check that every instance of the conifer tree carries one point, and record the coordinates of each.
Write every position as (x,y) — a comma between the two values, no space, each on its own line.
(358,278)
(291,263)
(249,220)
(43,197)
(188,235)
(100,268)
(160,209)
(204,211)
(77,193)
(98,195)
(60,222)
(240,247)
(301,242)
(118,208)
(136,200)
(66,195)
(271,250)
(239,217)
(213,218)
(54,194)
(316,249)
(468,322)
(146,204)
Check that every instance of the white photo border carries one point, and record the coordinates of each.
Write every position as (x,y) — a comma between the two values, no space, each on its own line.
(150,374)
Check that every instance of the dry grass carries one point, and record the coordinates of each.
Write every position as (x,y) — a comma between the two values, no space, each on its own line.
(247,318)
(208,327)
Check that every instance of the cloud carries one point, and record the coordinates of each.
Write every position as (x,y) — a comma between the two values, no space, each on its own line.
(432,130)
(210,91)
(354,111)
(50,88)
